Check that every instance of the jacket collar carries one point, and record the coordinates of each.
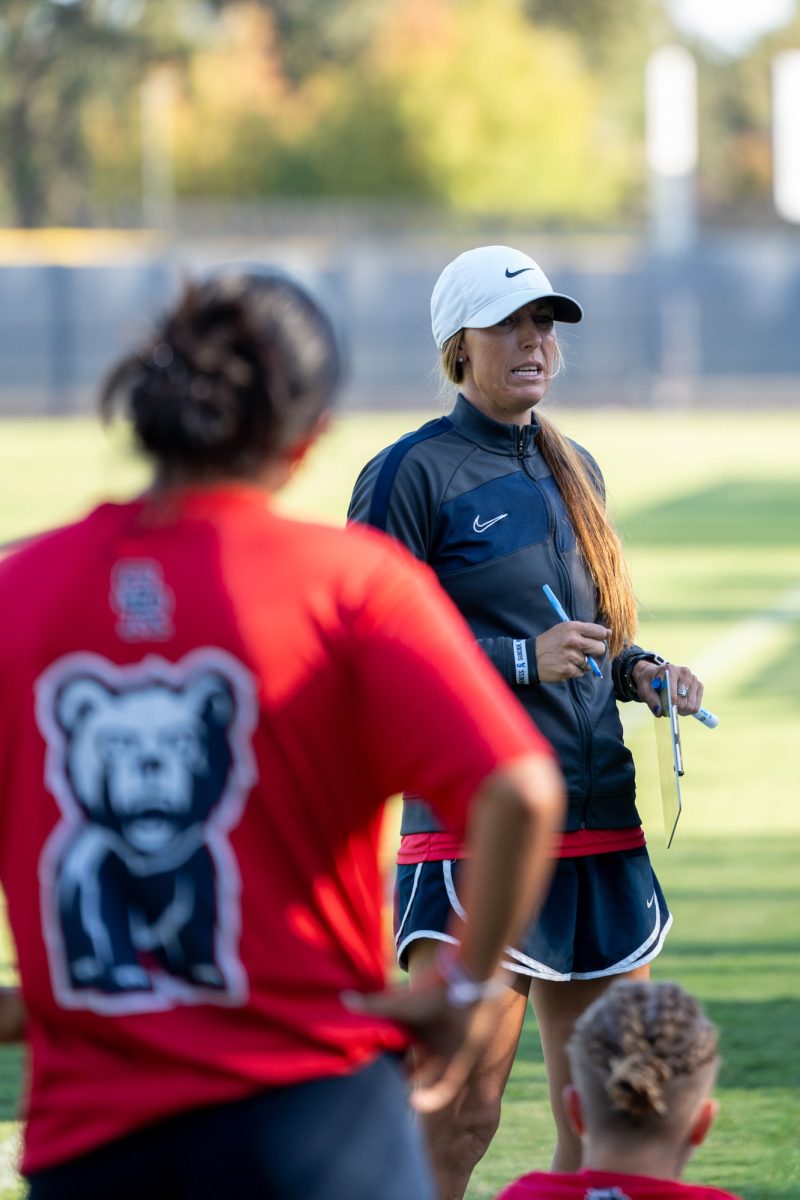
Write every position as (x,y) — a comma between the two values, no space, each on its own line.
(519,441)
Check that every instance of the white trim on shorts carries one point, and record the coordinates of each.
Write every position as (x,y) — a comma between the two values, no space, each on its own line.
(649,949)
(522,964)
(417,874)
(432,934)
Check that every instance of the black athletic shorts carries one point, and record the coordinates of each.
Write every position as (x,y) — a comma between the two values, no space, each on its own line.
(604,914)
(345,1137)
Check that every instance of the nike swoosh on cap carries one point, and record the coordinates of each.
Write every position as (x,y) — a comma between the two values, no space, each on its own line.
(481,526)
(511,274)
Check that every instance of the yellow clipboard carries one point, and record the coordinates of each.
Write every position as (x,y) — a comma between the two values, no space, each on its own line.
(670,760)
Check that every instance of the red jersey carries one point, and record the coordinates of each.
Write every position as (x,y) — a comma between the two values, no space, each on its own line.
(607,1185)
(203,707)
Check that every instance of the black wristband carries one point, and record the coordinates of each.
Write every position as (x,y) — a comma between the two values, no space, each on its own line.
(627,680)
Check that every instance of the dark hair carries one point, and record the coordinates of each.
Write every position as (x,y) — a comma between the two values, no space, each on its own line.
(636,1043)
(239,370)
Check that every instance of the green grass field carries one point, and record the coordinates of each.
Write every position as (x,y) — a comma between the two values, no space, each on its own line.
(709,507)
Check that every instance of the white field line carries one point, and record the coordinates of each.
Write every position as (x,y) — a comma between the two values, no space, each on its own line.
(734,651)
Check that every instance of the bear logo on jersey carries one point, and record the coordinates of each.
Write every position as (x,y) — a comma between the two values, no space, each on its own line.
(151,765)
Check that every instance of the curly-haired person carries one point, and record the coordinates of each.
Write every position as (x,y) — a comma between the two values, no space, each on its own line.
(205,706)
(644,1059)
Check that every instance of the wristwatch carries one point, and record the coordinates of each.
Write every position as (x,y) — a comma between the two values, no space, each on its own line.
(462,990)
(635,657)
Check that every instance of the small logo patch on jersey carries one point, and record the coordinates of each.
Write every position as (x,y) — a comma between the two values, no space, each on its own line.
(481,526)
(612,1193)
(142,601)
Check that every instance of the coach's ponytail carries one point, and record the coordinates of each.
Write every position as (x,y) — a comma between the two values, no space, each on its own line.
(597,540)
(596,537)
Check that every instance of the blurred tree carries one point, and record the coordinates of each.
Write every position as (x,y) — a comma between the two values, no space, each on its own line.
(489,106)
(245,128)
(54,55)
(468,103)
(735,167)
(506,115)
(312,32)
(600,26)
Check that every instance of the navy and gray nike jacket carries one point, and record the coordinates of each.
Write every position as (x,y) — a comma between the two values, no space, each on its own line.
(475,499)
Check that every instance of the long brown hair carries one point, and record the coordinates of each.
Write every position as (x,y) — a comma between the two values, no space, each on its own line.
(597,539)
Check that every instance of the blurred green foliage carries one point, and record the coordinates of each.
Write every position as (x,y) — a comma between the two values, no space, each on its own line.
(59,61)
(528,108)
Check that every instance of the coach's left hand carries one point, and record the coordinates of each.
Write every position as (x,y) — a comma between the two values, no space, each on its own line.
(687,690)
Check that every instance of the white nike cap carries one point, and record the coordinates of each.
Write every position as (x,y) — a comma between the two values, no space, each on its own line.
(482,286)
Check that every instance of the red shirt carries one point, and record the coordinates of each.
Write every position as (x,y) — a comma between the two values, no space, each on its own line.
(203,707)
(607,1185)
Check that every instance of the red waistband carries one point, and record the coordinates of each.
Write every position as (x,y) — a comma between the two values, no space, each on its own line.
(433,847)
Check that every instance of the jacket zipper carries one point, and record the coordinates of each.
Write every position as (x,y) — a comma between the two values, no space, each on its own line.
(582,716)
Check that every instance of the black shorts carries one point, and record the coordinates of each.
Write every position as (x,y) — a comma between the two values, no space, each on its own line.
(345,1137)
(604,914)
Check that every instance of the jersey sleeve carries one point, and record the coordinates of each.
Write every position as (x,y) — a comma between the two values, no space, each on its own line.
(438,719)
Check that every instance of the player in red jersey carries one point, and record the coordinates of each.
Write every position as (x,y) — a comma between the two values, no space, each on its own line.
(204,707)
(644,1059)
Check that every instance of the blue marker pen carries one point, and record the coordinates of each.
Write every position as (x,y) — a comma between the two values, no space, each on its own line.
(703,715)
(555,604)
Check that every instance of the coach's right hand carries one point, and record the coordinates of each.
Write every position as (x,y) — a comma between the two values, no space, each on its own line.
(562,652)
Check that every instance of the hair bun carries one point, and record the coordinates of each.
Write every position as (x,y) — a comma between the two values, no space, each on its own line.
(238,370)
(636,1082)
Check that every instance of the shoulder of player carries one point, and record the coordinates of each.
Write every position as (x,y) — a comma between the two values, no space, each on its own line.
(43,548)
(544,1185)
(351,553)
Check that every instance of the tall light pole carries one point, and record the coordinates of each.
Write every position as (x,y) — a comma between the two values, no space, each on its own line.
(671,145)
(785,138)
(158,179)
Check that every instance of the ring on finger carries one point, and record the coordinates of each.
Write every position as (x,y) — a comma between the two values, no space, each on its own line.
(683,691)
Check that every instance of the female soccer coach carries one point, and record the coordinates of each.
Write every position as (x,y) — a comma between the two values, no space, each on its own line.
(500,504)
(204,708)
